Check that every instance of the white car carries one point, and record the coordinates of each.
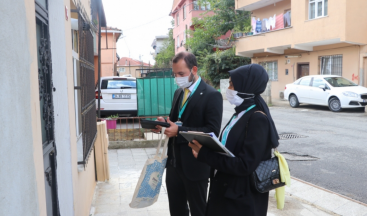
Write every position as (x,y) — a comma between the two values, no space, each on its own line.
(327,90)
(118,96)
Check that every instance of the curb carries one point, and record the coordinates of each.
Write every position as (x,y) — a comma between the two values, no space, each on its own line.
(327,193)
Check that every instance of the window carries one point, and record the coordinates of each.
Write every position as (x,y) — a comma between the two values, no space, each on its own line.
(305,81)
(121,69)
(339,82)
(118,84)
(207,5)
(184,12)
(196,5)
(331,65)
(317,8)
(178,41)
(177,19)
(317,82)
(202,6)
(272,69)
(77,97)
(75,40)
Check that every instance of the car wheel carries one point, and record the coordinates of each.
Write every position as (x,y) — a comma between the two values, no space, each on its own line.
(334,105)
(293,101)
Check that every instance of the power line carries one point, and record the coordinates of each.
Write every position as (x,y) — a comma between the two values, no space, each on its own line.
(145,24)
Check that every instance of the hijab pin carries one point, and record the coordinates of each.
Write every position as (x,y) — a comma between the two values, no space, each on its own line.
(201,93)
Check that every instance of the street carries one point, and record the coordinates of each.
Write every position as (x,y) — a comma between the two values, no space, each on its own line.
(333,154)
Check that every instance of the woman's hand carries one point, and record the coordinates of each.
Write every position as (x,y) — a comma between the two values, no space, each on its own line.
(196,146)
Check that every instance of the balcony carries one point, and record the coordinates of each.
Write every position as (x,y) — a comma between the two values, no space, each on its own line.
(251,5)
(337,28)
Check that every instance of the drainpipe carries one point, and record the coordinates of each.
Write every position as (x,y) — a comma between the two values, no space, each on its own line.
(99,64)
(113,54)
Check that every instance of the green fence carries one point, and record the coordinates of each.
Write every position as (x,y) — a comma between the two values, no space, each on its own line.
(155,93)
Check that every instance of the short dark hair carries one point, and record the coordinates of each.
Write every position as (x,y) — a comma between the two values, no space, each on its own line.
(189,58)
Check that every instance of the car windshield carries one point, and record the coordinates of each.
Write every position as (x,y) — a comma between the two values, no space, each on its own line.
(339,82)
(118,84)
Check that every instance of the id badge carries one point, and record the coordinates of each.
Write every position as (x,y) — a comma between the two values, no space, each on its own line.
(178,123)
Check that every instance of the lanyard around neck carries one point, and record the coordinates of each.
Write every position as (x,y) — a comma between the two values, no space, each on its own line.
(229,127)
(182,110)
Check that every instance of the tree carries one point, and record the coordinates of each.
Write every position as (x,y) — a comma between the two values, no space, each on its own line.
(164,57)
(214,65)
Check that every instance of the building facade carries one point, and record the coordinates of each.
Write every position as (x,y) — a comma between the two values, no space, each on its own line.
(129,66)
(183,12)
(109,57)
(294,38)
(49,123)
(158,44)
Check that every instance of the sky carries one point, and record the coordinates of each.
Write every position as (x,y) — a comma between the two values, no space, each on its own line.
(140,21)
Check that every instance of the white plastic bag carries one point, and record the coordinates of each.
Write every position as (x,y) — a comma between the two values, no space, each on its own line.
(150,181)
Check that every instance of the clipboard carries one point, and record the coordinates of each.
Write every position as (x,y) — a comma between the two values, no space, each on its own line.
(208,140)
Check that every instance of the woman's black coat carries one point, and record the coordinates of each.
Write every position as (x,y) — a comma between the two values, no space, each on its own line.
(230,190)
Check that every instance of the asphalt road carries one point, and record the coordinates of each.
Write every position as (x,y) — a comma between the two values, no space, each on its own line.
(333,154)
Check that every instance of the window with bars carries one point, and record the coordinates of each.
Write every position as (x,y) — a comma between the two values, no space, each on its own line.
(272,68)
(331,65)
(317,8)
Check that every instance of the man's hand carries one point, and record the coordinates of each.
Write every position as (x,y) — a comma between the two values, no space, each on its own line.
(159,128)
(172,130)
(196,146)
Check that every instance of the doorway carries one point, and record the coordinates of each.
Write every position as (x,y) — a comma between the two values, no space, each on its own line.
(46,107)
(303,69)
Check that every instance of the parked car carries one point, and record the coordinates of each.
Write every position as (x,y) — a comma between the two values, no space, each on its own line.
(335,92)
(118,96)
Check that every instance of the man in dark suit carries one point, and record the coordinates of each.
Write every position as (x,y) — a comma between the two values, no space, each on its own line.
(196,106)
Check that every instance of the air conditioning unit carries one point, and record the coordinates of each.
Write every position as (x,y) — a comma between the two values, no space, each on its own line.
(281,95)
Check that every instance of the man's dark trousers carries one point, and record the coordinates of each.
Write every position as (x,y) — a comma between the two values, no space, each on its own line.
(187,178)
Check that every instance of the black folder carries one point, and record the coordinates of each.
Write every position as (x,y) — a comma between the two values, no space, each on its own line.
(208,140)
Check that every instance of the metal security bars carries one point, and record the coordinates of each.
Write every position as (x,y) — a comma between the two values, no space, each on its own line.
(88,106)
(331,65)
(272,69)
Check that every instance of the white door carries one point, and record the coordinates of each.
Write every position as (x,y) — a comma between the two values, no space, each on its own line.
(317,95)
(303,90)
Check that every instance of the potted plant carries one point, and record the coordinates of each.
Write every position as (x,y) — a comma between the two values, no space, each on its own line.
(111,121)
(248,30)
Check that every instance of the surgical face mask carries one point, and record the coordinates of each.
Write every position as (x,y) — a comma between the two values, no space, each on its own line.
(234,99)
(183,82)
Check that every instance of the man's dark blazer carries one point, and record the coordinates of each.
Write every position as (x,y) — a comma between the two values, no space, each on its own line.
(203,113)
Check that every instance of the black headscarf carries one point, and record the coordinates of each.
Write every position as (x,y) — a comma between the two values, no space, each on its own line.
(252,79)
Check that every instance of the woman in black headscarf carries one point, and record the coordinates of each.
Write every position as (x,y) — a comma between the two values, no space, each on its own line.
(250,135)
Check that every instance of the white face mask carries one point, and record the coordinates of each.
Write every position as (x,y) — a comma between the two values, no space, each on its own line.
(183,82)
(234,99)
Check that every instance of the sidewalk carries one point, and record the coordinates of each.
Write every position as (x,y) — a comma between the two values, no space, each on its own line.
(112,198)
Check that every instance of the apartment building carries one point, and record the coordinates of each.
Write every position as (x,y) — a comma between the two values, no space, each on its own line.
(109,57)
(183,11)
(295,38)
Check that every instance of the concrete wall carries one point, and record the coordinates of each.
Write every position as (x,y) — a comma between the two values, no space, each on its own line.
(60,38)
(22,189)
(224,84)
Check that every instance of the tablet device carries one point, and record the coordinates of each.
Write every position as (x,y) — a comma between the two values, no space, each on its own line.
(148,124)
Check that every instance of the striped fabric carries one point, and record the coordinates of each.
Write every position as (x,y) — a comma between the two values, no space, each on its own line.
(279,22)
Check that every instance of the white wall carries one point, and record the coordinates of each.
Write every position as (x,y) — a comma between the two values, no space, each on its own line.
(61,103)
(18,170)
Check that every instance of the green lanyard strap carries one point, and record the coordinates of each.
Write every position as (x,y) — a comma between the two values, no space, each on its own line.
(182,110)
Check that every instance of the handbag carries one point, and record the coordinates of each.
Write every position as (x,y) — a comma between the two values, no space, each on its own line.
(266,177)
(150,180)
